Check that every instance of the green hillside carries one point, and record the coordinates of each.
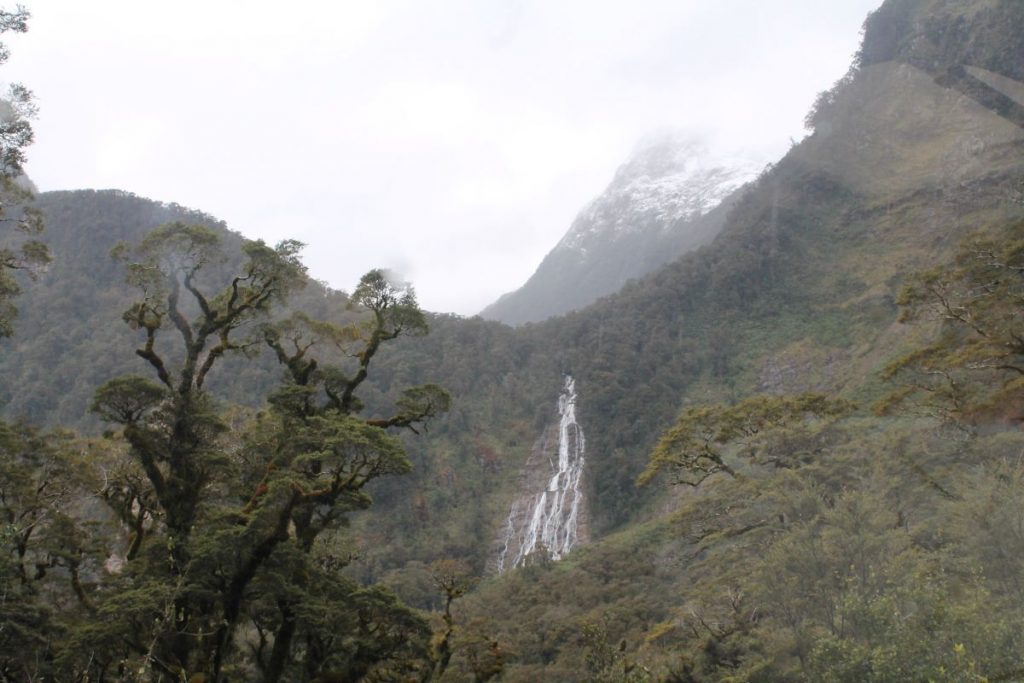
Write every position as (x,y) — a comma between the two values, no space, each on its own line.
(745,579)
(858,546)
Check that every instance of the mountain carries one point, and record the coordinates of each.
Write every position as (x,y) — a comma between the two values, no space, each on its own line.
(838,561)
(915,149)
(671,196)
(868,548)
(72,312)
(69,334)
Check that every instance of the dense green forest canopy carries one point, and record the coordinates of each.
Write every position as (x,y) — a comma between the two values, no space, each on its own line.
(221,575)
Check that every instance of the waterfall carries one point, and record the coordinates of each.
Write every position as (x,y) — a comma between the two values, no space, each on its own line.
(552,514)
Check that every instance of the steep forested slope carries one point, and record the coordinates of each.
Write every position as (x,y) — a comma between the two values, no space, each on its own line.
(909,155)
(795,293)
(805,270)
(918,146)
(70,335)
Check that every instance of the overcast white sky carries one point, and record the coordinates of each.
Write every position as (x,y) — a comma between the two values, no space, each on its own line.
(453,141)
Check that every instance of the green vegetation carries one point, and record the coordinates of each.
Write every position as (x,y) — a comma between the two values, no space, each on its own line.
(693,447)
(811,542)
(973,372)
(19,252)
(222,574)
(222,526)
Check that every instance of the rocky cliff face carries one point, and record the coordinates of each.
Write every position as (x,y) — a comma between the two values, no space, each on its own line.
(670,197)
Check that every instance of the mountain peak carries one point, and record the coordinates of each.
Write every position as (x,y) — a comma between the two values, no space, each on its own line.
(658,205)
(661,153)
(669,177)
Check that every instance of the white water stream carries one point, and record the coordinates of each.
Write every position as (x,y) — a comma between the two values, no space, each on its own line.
(552,520)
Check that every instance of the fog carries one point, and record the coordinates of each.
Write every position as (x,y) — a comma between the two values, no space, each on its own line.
(452,142)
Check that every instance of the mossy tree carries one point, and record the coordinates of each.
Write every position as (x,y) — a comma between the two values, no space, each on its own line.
(224,577)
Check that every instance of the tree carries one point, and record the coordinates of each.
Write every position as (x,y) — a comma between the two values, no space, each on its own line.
(19,251)
(482,655)
(607,662)
(453,579)
(224,576)
(45,553)
(694,448)
(173,429)
(974,369)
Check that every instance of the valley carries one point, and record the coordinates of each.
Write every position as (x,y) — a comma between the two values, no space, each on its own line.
(741,425)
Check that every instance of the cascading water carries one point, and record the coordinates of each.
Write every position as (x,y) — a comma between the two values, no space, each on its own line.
(552,515)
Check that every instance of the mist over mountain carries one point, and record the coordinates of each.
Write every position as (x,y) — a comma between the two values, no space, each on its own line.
(765,425)
(669,197)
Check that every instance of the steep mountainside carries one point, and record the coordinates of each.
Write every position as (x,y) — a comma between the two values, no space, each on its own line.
(670,197)
(919,146)
(796,293)
(746,577)
(70,336)
(72,313)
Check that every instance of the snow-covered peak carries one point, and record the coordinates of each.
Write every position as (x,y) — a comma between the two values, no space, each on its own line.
(658,206)
(668,178)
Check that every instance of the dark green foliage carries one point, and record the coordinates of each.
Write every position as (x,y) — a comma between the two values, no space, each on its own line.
(15,128)
(125,400)
(940,36)
(607,662)
(887,31)
(633,355)
(823,109)
(74,311)
(20,252)
(851,566)
(228,568)
(870,550)
(46,554)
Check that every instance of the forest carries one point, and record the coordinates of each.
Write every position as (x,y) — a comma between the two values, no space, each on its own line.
(804,454)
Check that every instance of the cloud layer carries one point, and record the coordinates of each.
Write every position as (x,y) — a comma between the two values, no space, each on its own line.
(452,141)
